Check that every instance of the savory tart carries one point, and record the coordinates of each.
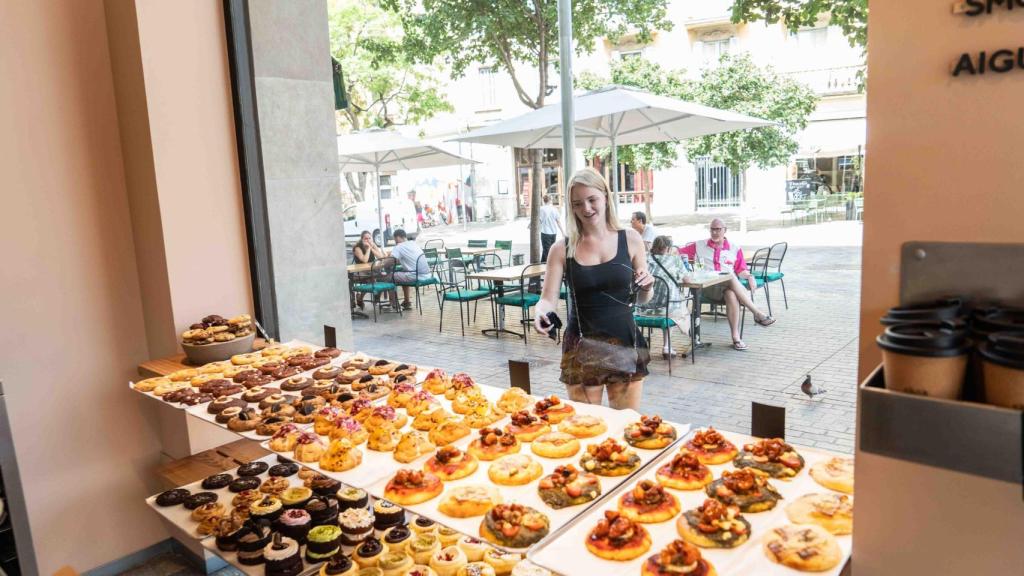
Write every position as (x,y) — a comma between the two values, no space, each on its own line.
(679,558)
(461,382)
(449,431)
(421,402)
(412,445)
(684,472)
(385,416)
(567,486)
(833,512)
(437,381)
(648,502)
(650,433)
(348,428)
(526,426)
(609,458)
(493,443)
(383,439)
(514,525)
(514,400)
(412,487)
(553,408)
(751,492)
(713,525)
(483,414)
(710,447)
(772,456)
(834,474)
(807,547)
(467,400)
(616,537)
(468,501)
(583,426)
(400,395)
(449,463)
(514,470)
(427,420)
(555,445)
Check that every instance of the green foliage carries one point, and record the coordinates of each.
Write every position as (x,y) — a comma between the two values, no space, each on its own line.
(849,15)
(739,85)
(651,77)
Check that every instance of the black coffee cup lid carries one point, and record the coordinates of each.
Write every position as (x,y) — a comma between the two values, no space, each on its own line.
(988,320)
(934,339)
(949,309)
(1005,348)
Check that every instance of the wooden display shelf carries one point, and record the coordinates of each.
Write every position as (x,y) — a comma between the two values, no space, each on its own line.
(208,462)
(170,364)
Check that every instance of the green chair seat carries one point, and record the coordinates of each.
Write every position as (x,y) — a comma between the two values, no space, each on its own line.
(465,295)
(427,281)
(519,299)
(658,322)
(433,261)
(775,276)
(375,288)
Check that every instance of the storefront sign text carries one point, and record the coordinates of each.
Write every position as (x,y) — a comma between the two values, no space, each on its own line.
(980,7)
(983,62)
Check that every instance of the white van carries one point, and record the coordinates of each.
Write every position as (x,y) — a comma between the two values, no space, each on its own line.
(397,214)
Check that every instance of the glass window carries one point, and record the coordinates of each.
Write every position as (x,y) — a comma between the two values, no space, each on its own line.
(488,87)
(385,187)
(812,38)
(631,54)
(713,49)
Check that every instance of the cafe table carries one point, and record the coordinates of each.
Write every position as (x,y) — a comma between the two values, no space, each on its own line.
(499,276)
(696,284)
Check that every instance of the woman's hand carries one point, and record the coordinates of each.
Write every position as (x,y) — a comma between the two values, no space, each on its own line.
(643,280)
(540,319)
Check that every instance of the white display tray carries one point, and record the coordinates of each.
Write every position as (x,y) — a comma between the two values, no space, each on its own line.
(568,554)
(257,570)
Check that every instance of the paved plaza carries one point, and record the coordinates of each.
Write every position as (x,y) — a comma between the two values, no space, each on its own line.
(817,335)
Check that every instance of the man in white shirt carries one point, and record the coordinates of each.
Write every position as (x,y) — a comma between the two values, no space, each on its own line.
(550,225)
(639,223)
(413,267)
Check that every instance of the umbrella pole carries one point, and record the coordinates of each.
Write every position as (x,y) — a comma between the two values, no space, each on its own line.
(615,172)
(461,196)
(380,211)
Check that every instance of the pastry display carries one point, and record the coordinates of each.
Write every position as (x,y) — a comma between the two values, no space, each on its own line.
(323,421)
(368,552)
(772,456)
(350,375)
(150,384)
(356,525)
(397,537)
(835,474)
(467,400)
(385,416)
(323,542)
(271,424)
(400,395)
(493,443)
(173,497)
(360,409)
(713,525)
(514,525)
(502,562)
(483,414)
(217,481)
(514,400)
(407,370)
(308,448)
(214,329)
(514,470)
(751,492)
(252,543)
(469,501)
(710,447)
(648,502)
(383,439)
(340,456)
(461,382)
(449,463)
(223,403)
(449,431)
(567,486)
(412,445)
(228,531)
(679,557)
(327,352)
(243,484)
(358,360)
(685,472)
(326,373)
(347,428)
(306,409)
(555,445)
(349,498)
(833,512)
(421,402)
(338,565)
(381,367)
(448,536)
(412,487)
(267,508)
(447,561)
(808,548)
(281,557)
(423,546)
(650,433)
(285,439)
(387,515)
(437,381)
(199,498)
(616,537)
(274,485)
(476,569)
(207,510)
(324,486)
(553,409)
(323,511)
(394,563)
(429,419)
(295,497)
(609,458)
(583,426)
(526,426)
(283,468)
(165,388)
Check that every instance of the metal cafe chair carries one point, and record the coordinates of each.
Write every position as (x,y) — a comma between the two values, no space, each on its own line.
(521,297)
(422,280)
(381,281)
(457,288)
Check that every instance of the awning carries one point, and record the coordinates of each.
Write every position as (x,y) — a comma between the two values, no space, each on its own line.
(829,138)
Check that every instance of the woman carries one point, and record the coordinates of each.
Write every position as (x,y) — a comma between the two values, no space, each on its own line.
(364,252)
(664,263)
(606,269)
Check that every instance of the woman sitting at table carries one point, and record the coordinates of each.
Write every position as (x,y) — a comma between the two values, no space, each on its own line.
(364,252)
(665,263)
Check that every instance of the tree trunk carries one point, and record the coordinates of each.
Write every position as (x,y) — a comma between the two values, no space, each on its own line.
(647,195)
(357,184)
(535,203)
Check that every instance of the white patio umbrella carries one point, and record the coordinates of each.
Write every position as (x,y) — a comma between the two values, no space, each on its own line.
(376,149)
(614,116)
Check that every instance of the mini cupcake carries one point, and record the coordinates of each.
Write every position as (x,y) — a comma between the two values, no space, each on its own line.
(502,562)
(387,515)
(356,524)
(349,498)
(447,561)
(447,536)
(423,525)
(339,565)
(422,547)
(369,552)
(282,557)
(252,543)
(473,548)
(296,497)
(269,508)
(323,511)
(322,542)
(397,537)
(394,563)
(294,524)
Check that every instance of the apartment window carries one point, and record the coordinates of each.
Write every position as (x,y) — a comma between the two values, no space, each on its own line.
(488,87)
(631,54)
(385,187)
(713,45)
(812,38)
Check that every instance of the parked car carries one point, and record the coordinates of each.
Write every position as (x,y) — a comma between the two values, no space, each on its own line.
(397,214)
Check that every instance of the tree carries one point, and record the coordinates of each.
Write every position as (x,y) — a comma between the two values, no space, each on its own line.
(651,77)
(516,36)
(384,87)
(739,85)
(849,15)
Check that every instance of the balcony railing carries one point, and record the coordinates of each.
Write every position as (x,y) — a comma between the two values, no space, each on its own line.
(830,81)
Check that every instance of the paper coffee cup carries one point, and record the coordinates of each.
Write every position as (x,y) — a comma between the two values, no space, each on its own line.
(950,310)
(1003,367)
(927,359)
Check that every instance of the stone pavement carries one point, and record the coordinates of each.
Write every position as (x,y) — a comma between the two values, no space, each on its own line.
(817,335)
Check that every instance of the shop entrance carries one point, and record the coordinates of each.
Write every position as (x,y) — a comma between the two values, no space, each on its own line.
(524,178)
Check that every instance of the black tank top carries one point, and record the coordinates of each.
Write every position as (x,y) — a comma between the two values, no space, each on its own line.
(601,296)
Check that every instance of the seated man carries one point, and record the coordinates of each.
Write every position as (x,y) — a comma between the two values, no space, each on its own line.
(639,223)
(717,254)
(408,255)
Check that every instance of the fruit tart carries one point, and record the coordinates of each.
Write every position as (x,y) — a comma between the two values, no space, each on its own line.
(340,456)
(437,381)
(514,400)
(609,458)
(772,456)
(526,427)
(684,472)
(553,409)
(409,487)
(751,492)
(711,447)
(461,382)
(493,443)
(679,558)
(616,537)
(713,525)
(449,463)
(514,526)
(412,445)
(567,486)
(650,433)
(348,428)
(449,431)
(648,502)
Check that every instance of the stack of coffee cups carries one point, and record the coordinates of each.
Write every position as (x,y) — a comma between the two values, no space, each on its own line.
(999,334)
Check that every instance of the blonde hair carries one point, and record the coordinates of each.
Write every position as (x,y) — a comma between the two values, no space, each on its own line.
(591,179)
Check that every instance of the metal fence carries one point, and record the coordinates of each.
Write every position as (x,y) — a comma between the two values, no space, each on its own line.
(717,186)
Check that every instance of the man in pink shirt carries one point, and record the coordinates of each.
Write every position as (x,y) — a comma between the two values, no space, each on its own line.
(717,254)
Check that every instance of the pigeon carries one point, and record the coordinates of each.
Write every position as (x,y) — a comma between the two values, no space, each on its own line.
(810,389)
